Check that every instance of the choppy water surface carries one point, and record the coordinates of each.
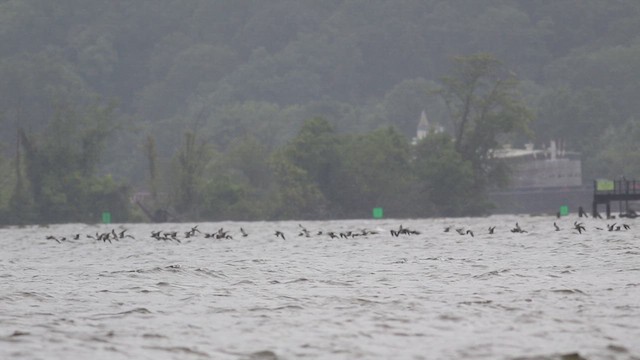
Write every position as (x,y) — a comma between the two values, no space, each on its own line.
(536,295)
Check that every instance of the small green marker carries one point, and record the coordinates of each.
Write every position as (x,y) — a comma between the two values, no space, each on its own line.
(564,210)
(377,213)
(106,217)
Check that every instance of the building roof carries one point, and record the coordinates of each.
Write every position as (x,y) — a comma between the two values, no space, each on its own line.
(424,122)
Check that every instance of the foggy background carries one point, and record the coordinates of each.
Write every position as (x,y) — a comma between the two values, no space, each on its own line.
(197,106)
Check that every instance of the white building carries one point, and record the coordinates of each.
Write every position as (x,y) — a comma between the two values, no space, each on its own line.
(546,168)
(424,127)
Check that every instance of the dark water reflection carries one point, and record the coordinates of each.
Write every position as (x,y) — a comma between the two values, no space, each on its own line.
(536,295)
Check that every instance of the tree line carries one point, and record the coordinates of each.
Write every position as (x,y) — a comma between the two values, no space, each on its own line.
(317,174)
(237,74)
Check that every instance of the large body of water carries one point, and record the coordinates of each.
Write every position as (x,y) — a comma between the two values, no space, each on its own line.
(543,294)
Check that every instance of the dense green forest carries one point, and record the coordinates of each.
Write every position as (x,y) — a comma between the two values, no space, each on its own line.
(281,109)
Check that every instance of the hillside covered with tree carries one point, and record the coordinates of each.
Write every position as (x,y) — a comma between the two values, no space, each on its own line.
(300,108)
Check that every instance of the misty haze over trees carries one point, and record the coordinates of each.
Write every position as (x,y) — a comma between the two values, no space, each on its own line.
(287,109)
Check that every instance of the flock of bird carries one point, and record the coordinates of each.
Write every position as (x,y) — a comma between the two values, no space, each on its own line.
(225,234)
(104,237)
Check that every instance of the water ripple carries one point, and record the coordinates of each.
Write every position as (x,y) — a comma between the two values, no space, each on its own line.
(435,295)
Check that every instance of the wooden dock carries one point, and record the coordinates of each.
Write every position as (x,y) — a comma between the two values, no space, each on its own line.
(623,191)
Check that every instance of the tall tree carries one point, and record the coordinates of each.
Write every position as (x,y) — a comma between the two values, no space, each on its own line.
(375,171)
(191,160)
(152,160)
(304,170)
(446,180)
(484,107)
(314,151)
(61,167)
(619,155)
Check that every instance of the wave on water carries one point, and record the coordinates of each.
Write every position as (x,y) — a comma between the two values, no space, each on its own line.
(440,288)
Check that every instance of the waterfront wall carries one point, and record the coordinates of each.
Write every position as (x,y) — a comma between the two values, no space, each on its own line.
(543,173)
(542,200)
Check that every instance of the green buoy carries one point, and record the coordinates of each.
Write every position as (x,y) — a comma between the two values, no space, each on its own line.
(564,210)
(106,217)
(377,213)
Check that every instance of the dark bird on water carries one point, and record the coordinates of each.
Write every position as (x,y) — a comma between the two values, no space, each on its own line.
(122,235)
(303,231)
(614,227)
(51,237)
(191,232)
(491,229)
(221,234)
(105,237)
(556,226)
(404,231)
(578,226)
(279,233)
(517,229)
